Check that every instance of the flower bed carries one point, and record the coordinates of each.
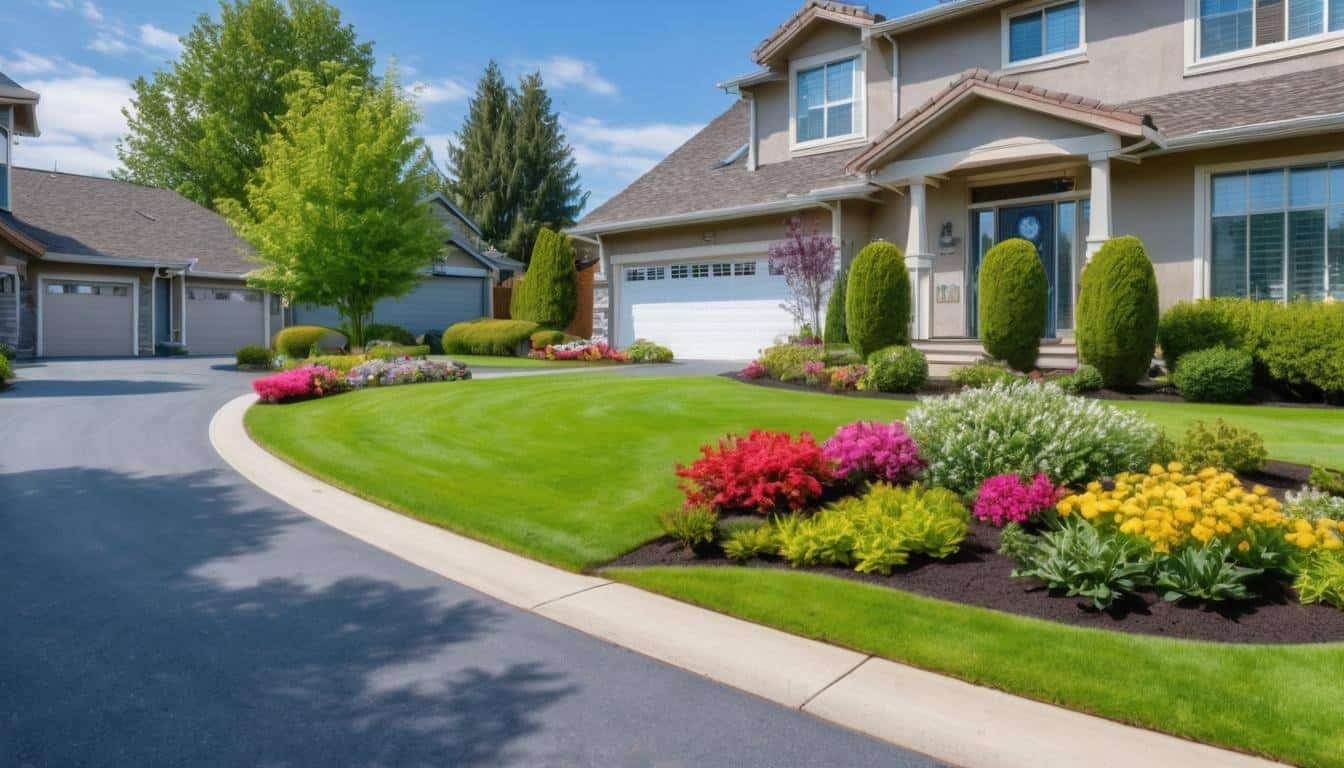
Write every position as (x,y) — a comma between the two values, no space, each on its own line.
(386,373)
(314,380)
(583,349)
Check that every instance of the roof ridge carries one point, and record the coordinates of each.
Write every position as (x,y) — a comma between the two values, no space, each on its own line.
(804,14)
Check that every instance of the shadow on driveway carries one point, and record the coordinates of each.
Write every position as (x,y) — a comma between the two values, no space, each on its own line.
(22,388)
(171,620)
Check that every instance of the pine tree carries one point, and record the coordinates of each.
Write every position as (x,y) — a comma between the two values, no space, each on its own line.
(550,192)
(548,293)
(482,165)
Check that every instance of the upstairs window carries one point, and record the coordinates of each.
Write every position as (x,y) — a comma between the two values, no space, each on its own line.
(1228,26)
(1045,31)
(827,100)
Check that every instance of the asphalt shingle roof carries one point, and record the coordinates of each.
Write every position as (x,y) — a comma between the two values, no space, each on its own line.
(91,216)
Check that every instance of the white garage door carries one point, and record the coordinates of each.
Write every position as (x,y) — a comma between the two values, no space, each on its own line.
(713,310)
(220,321)
(82,318)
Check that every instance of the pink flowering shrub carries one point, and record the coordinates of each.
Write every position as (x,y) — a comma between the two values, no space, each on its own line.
(869,451)
(299,383)
(582,349)
(814,371)
(847,377)
(754,370)
(1007,499)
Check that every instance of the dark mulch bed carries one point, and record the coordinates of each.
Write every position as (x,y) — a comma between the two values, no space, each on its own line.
(978,575)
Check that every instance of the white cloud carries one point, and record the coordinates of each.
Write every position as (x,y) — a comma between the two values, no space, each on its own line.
(626,165)
(91,12)
(652,138)
(110,43)
(27,63)
(566,72)
(437,91)
(60,5)
(81,121)
(160,39)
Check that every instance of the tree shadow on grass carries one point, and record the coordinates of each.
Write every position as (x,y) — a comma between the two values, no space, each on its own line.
(175,620)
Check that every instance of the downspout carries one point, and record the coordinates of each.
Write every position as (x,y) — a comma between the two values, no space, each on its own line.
(895,76)
(751,130)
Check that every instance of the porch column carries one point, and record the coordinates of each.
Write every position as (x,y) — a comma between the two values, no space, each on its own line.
(919,261)
(1099,224)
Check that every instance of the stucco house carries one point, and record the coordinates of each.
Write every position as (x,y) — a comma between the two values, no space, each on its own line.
(1212,129)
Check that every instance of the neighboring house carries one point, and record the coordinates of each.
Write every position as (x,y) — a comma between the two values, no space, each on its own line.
(96,267)
(1212,130)
(459,286)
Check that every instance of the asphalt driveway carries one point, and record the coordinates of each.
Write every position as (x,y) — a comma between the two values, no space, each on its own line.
(156,609)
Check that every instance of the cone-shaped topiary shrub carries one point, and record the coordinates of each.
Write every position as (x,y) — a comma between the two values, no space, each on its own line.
(877,299)
(1117,312)
(548,294)
(835,332)
(1014,302)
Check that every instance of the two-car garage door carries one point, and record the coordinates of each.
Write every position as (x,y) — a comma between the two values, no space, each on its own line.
(725,309)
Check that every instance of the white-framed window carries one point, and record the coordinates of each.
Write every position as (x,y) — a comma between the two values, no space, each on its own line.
(744,268)
(1277,232)
(1245,31)
(1043,32)
(634,275)
(826,99)
(723,270)
(699,270)
(680,271)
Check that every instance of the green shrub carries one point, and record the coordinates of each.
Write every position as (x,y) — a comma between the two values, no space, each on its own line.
(1222,446)
(981,375)
(1304,346)
(897,369)
(835,332)
(1203,573)
(254,355)
(342,363)
(1165,450)
(1328,480)
(1014,303)
(1320,578)
(1080,559)
(877,299)
(1215,375)
(840,354)
(395,351)
(304,340)
(388,332)
(1192,326)
(786,362)
(6,373)
(694,527)
(433,339)
(487,336)
(1117,312)
(749,543)
(545,338)
(8,352)
(548,293)
(1085,379)
(645,351)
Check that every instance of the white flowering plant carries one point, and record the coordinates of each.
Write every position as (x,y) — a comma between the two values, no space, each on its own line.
(1026,428)
(1313,504)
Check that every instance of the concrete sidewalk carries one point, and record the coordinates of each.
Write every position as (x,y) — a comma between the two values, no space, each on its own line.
(945,718)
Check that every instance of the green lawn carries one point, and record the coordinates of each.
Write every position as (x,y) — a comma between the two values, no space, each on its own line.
(574,469)
(497,361)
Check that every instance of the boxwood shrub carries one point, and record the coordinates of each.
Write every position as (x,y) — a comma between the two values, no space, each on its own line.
(388,332)
(786,361)
(897,369)
(254,355)
(302,340)
(645,351)
(1304,347)
(1014,303)
(1192,326)
(1117,312)
(487,336)
(544,338)
(877,299)
(1215,375)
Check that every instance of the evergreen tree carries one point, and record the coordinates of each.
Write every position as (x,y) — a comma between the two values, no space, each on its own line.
(550,192)
(549,293)
(198,127)
(482,166)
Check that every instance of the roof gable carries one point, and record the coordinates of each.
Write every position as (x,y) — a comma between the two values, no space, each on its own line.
(804,19)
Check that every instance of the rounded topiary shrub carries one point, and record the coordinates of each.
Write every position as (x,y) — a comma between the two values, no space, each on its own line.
(1014,302)
(1217,375)
(253,356)
(1192,326)
(1117,312)
(835,332)
(548,293)
(1303,349)
(897,369)
(302,340)
(546,338)
(877,299)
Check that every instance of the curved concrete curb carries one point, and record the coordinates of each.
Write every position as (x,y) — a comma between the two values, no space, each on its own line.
(948,719)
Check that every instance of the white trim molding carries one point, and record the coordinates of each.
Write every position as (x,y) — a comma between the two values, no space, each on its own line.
(1046,60)
(692,253)
(997,153)
(134,282)
(814,199)
(859,113)
(1196,65)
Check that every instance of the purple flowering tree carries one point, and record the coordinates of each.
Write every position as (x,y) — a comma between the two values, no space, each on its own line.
(807,262)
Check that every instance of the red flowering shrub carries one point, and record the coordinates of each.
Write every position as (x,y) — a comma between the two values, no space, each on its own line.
(754,370)
(762,473)
(300,383)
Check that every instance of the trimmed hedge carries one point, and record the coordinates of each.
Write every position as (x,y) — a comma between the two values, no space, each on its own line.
(396,352)
(786,362)
(301,340)
(645,351)
(254,355)
(877,299)
(1117,312)
(1217,375)
(543,339)
(897,369)
(388,332)
(487,336)
(1192,326)
(835,331)
(1014,303)
(548,293)
(1304,347)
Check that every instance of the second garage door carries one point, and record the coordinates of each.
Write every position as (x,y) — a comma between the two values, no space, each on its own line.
(82,318)
(220,321)
(719,310)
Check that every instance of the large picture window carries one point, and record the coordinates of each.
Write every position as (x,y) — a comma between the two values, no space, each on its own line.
(828,101)
(1050,30)
(1278,233)
(1227,26)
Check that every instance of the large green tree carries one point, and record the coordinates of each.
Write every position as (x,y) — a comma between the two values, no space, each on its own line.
(511,167)
(198,127)
(335,210)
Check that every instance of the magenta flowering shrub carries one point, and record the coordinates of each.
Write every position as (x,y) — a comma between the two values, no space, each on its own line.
(754,370)
(299,383)
(874,452)
(814,371)
(1007,499)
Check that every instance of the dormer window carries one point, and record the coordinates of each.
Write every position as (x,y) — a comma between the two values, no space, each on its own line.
(1043,33)
(827,99)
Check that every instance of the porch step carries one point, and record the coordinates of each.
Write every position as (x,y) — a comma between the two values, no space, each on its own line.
(946,354)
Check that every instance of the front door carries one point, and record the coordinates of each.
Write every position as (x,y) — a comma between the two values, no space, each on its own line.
(1036,225)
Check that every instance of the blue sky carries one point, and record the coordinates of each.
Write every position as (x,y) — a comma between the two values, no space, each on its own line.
(631,81)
